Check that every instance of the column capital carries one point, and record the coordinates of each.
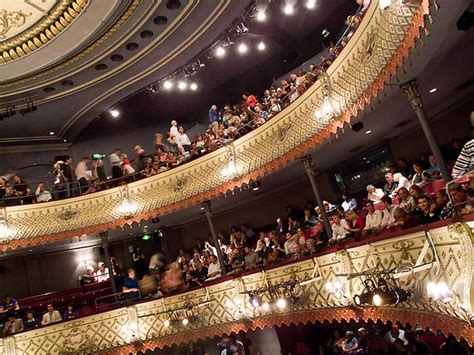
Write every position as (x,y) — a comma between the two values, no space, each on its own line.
(206,205)
(410,89)
(307,162)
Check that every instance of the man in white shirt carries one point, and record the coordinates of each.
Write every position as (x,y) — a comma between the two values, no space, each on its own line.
(84,174)
(182,139)
(402,181)
(373,221)
(340,228)
(349,203)
(396,333)
(174,128)
(374,194)
(52,316)
(214,270)
(102,274)
(387,220)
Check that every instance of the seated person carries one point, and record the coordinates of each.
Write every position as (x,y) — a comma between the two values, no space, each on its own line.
(130,285)
(12,326)
(251,258)
(390,185)
(262,236)
(197,276)
(404,220)
(407,202)
(310,247)
(443,208)
(214,269)
(277,252)
(262,251)
(51,316)
(374,194)
(237,263)
(297,252)
(70,312)
(355,223)
(387,220)
(373,220)
(461,203)
(88,277)
(102,273)
(31,322)
(350,344)
(401,182)
(340,228)
(9,305)
(349,203)
(425,210)
(433,169)
(417,178)
(309,219)
(290,242)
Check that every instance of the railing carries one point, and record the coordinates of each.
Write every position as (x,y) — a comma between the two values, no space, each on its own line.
(226,305)
(350,82)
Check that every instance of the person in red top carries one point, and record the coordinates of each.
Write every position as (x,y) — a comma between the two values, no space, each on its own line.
(249,100)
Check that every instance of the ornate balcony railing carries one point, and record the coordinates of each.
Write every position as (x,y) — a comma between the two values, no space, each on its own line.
(367,62)
(443,254)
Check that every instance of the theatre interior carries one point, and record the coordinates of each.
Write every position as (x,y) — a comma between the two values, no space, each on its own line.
(237,177)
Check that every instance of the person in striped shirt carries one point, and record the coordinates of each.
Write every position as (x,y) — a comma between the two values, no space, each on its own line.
(465,162)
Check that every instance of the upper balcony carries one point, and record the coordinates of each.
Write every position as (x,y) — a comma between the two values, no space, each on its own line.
(368,61)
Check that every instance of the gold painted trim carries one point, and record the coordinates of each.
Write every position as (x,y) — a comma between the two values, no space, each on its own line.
(48,28)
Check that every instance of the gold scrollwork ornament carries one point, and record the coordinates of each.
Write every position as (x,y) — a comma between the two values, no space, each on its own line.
(11,19)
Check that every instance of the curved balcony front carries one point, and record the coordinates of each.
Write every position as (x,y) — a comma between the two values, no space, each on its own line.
(367,62)
(415,258)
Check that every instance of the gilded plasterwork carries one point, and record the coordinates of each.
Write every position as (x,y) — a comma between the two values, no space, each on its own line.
(226,307)
(298,129)
(37,23)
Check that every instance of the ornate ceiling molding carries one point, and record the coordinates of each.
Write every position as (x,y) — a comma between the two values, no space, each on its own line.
(225,307)
(44,31)
(355,79)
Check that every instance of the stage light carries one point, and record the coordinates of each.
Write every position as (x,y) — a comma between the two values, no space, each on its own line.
(363,298)
(114,113)
(51,133)
(394,296)
(432,91)
(193,86)
(185,321)
(166,323)
(168,85)
(242,48)
(281,303)
(288,9)
(261,46)
(377,299)
(220,51)
(266,307)
(311,4)
(261,16)
(182,85)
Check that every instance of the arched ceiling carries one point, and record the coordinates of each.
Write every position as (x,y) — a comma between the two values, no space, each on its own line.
(76,58)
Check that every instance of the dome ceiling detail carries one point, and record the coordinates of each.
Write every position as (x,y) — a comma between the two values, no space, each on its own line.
(27,25)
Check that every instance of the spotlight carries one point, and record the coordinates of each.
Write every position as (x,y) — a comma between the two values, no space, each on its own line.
(266,307)
(311,4)
(166,323)
(363,298)
(51,133)
(255,185)
(261,46)
(288,9)
(182,85)
(193,86)
(114,113)
(220,51)
(185,321)
(394,296)
(242,48)
(168,85)
(261,16)
(432,91)
(281,303)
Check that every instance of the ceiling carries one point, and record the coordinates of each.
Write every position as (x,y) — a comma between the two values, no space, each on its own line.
(443,63)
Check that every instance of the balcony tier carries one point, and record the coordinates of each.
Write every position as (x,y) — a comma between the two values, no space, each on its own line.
(442,254)
(360,72)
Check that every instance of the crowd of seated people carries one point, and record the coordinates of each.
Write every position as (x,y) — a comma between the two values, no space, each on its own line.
(175,147)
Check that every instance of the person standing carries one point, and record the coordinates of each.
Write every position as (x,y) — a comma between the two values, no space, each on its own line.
(83,174)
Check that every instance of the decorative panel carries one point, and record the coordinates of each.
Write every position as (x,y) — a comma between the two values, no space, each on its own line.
(365,64)
(224,307)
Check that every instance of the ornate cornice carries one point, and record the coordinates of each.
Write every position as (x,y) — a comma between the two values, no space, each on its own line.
(225,307)
(355,78)
(46,30)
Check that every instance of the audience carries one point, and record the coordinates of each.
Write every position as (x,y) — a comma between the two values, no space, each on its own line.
(51,316)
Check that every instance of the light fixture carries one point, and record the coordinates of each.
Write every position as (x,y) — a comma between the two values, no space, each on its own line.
(242,48)
(311,4)
(395,296)
(182,85)
(281,303)
(168,85)
(185,321)
(114,113)
(261,16)
(368,132)
(65,140)
(432,91)
(51,133)
(220,51)
(288,9)
(193,86)
(261,46)
(266,307)
(384,4)
(166,323)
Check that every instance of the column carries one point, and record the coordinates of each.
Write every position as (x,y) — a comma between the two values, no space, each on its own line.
(207,208)
(410,89)
(308,166)
(105,245)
